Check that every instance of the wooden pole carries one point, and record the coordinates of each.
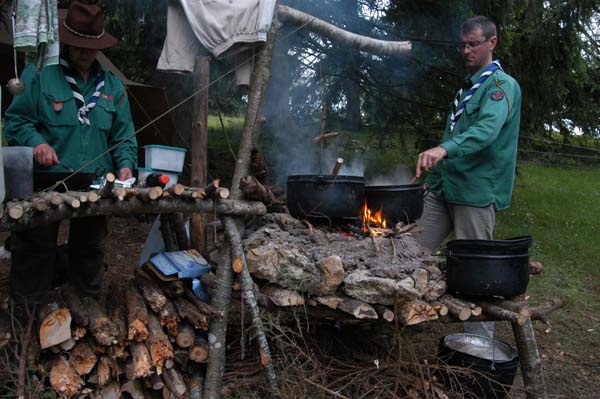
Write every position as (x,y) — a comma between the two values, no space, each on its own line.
(198,150)
(531,364)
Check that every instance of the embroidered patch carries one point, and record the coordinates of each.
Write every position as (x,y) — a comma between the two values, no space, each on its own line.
(57,105)
(106,97)
(497,96)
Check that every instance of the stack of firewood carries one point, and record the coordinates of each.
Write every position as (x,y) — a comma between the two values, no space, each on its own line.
(146,342)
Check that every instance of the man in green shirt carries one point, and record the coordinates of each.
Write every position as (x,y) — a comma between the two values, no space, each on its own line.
(471,173)
(75,114)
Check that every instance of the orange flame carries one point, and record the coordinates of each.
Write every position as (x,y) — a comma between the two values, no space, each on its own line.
(372,219)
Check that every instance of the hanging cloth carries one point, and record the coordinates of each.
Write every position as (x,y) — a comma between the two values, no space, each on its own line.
(458,106)
(36,31)
(82,107)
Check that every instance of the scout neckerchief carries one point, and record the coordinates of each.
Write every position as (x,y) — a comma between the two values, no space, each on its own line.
(458,109)
(82,107)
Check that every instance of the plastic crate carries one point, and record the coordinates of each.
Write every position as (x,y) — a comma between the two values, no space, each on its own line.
(143,172)
(163,157)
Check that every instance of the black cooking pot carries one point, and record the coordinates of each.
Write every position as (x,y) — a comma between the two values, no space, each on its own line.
(80,181)
(325,196)
(488,267)
(400,203)
(494,364)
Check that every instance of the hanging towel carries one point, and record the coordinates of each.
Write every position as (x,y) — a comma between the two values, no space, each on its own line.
(36,31)
(222,27)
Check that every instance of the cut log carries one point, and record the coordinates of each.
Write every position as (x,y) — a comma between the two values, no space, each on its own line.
(15,210)
(140,364)
(158,343)
(107,369)
(169,319)
(282,296)
(498,313)
(39,204)
(440,308)
(255,191)
(174,382)
(134,389)
(542,311)
(358,309)
(118,351)
(55,328)
(475,309)
(151,292)
(520,308)
(83,358)
(211,188)
(331,301)
(185,339)
(462,313)
(199,352)
(109,183)
(78,332)
(101,328)
(188,312)
(111,391)
(202,306)
(73,302)
(63,378)
(137,315)
(176,189)
(116,310)
(385,313)
(154,382)
(535,267)
(414,312)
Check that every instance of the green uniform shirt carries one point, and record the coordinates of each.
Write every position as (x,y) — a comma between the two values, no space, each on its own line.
(482,150)
(47,113)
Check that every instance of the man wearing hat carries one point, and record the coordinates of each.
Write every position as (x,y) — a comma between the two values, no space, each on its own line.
(75,114)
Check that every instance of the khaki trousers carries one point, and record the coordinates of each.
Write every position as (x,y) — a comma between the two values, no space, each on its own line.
(441,218)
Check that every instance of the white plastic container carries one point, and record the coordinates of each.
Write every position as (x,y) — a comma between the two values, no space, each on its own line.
(163,157)
(143,172)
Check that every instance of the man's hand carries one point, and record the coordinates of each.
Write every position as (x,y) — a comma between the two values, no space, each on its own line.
(428,159)
(45,155)
(125,173)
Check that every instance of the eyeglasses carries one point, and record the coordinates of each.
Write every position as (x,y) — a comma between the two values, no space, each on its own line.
(471,44)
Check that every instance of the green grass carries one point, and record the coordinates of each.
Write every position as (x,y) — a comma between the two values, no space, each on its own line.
(560,208)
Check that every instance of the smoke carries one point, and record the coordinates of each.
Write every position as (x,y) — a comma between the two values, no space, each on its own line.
(402,174)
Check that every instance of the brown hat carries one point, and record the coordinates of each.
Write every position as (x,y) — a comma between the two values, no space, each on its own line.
(84,27)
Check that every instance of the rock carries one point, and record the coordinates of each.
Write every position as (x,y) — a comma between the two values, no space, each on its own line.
(284,266)
(332,275)
(282,297)
(435,289)
(385,291)
(421,278)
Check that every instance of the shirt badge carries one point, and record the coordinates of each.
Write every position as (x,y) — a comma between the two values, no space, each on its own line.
(106,97)
(57,105)
(497,96)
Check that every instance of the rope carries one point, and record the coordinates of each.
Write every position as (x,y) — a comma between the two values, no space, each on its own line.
(218,79)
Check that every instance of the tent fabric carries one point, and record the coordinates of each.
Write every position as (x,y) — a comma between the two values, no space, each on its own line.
(221,27)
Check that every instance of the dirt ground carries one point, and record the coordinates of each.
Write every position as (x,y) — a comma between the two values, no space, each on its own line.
(571,371)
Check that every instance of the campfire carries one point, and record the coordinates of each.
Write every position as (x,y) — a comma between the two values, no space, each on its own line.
(373,222)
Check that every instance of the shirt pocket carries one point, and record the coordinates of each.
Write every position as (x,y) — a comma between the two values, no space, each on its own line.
(58,110)
(103,115)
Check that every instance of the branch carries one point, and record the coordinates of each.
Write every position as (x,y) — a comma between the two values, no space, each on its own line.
(341,36)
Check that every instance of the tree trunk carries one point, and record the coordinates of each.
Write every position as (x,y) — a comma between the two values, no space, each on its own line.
(137,315)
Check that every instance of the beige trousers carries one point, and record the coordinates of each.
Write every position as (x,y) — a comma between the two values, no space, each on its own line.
(441,218)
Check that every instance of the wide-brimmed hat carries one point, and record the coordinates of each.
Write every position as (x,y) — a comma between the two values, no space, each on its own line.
(84,27)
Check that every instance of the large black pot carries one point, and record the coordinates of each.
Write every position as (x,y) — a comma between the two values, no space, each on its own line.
(494,365)
(400,203)
(488,267)
(325,196)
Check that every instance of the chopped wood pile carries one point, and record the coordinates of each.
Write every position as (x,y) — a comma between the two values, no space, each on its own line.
(51,206)
(147,341)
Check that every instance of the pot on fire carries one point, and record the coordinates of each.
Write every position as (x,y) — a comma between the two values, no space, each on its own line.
(325,196)
(399,203)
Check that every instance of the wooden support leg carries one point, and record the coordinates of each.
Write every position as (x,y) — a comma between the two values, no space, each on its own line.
(531,364)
